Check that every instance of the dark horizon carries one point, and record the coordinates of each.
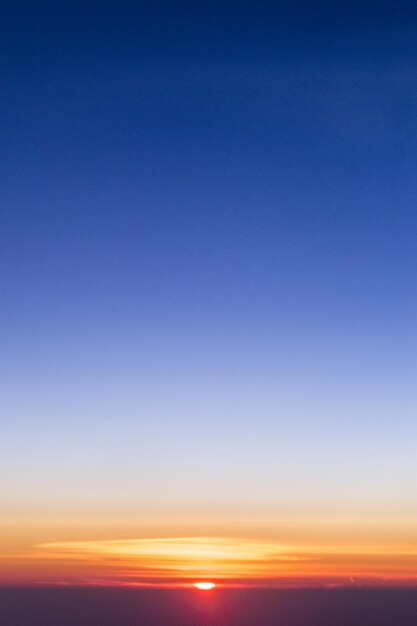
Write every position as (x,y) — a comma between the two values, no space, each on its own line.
(127,607)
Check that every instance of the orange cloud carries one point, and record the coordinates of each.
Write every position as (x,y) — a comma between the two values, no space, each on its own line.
(227,561)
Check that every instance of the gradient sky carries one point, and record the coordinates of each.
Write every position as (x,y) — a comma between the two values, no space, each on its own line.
(208,273)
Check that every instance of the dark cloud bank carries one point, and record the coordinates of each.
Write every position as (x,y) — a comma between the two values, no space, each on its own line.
(128,607)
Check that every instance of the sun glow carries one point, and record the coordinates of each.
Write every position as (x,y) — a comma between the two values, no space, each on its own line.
(180,561)
(204,586)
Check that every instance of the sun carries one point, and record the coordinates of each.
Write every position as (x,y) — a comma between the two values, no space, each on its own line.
(204,586)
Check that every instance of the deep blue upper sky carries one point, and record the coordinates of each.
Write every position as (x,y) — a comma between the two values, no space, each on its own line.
(198,197)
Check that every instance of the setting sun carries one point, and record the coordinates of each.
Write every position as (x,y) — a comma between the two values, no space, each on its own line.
(204,586)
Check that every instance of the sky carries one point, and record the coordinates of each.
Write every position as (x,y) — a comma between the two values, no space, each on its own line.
(207,269)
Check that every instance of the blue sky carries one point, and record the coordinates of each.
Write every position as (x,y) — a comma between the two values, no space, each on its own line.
(208,253)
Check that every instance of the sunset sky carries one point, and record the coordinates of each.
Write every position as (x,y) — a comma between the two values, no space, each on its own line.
(208,277)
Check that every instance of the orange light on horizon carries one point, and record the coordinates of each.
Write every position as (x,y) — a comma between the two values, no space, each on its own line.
(204,586)
(191,562)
